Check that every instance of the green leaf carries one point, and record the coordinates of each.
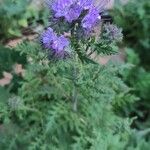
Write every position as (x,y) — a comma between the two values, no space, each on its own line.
(23,22)
(15,32)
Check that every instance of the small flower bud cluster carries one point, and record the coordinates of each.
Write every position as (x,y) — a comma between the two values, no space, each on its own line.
(113,33)
(15,103)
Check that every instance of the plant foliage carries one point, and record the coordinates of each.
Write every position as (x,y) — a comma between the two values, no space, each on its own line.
(134,18)
(69,103)
(16,15)
(42,115)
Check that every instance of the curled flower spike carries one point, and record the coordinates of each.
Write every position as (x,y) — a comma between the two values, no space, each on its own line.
(56,45)
(113,33)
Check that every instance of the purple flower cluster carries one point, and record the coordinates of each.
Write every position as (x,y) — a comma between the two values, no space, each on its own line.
(55,43)
(71,10)
(84,12)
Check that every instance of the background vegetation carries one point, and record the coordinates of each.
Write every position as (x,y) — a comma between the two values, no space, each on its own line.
(134,19)
(114,99)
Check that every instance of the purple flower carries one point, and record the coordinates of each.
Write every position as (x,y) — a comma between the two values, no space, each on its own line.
(73,12)
(59,44)
(48,37)
(72,9)
(69,9)
(91,19)
(93,15)
(56,44)
(61,7)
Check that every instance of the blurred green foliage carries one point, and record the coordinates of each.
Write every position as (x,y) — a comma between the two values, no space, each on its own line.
(138,79)
(134,18)
(19,14)
(8,59)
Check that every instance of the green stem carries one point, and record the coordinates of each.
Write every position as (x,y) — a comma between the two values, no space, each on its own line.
(74,93)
